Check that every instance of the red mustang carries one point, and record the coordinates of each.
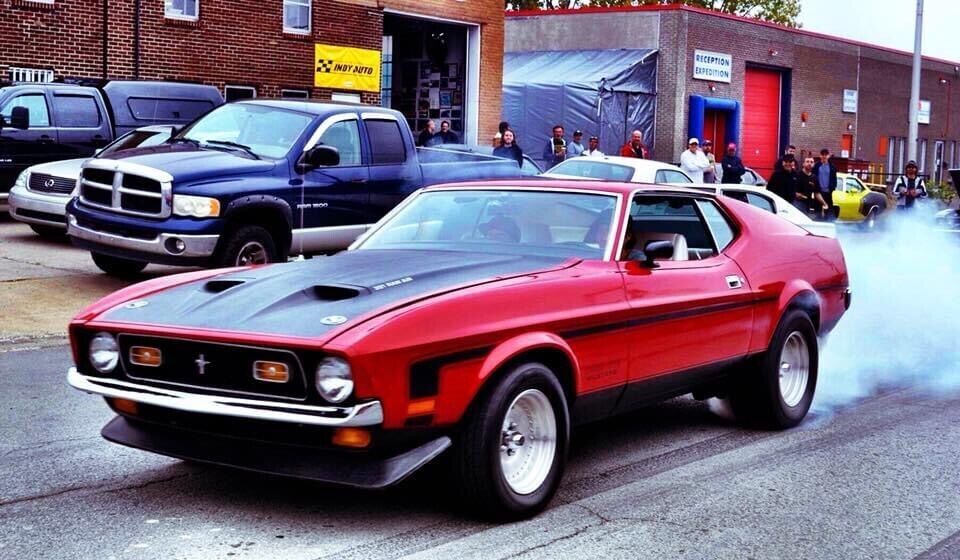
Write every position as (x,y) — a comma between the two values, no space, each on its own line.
(486,318)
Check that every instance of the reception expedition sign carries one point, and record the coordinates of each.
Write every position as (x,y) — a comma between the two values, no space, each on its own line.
(716,67)
(346,68)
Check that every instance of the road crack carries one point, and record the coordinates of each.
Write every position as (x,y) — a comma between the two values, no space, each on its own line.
(103,489)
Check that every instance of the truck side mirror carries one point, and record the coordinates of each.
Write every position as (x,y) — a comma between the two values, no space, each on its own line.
(20,118)
(319,156)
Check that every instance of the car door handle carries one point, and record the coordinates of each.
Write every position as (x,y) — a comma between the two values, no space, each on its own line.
(734,282)
(358,181)
(45,139)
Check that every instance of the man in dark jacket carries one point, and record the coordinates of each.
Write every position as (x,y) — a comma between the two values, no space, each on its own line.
(827,179)
(556,149)
(732,166)
(426,135)
(784,181)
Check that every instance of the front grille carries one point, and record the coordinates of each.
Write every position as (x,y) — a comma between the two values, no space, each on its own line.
(42,182)
(128,193)
(212,367)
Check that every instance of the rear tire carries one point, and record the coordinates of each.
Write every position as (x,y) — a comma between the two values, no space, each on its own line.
(115,266)
(248,245)
(49,232)
(870,222)
(512,452)
(776,390)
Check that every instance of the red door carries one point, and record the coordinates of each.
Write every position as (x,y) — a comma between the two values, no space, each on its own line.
(761,120)
(715,129)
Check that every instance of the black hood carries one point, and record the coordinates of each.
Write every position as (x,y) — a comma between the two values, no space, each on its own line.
(310,298)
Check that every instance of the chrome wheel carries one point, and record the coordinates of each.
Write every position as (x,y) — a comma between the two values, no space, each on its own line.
(528,441)
(252,252)
(794,369)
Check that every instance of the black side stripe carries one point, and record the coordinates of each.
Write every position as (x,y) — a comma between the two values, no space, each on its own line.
(425,375)
(629,323)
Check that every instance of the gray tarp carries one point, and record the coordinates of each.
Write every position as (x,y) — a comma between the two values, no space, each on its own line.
(607,93)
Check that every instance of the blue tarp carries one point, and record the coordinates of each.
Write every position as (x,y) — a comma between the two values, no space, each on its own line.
(607,93)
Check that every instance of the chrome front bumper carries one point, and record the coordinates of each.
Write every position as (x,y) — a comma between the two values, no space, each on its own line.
(363,414)
(196,245)
(22,198)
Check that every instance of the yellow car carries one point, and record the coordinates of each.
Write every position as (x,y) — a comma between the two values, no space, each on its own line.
(856,202)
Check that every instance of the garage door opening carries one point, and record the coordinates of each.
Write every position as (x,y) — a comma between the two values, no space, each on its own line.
(762,103)
(429,74)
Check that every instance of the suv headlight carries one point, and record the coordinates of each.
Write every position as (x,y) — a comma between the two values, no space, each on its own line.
(104,352)
(334,380)
(196,206)
(22,179)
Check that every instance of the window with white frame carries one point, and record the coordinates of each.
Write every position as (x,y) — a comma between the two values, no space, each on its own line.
(26,75)
(181,9)
(296,16)
(235,93)
(294,94)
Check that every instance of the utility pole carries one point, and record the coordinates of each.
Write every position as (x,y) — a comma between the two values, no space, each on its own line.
(915,87)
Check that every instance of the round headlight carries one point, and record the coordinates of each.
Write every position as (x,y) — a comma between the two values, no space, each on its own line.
(334,380)
(104,352)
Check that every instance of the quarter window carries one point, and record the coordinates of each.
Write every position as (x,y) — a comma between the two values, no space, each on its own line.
(296,16)
(345,137)
(386,141)
(721,229)
(76,111)
(37,105)
(181,9)
(671,176)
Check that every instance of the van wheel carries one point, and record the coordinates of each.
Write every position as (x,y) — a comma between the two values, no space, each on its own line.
(512,451)
(776,390)
(48,232)
(248,245)
(115,266)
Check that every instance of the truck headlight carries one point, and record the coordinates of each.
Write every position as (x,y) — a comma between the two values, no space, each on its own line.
(104,352)
(334,380)
(195,206)
(22,179)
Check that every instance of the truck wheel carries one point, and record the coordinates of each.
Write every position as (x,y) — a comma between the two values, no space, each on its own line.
(512,451)
(248,245)
(115,266)
(47,232)
(776,390)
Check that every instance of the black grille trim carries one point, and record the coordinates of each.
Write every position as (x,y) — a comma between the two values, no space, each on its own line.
(61,185)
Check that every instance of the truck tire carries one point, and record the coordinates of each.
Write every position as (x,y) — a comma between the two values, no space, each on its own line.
(48,232)
(247,245)
(511,454)
(776,390)
(115,266)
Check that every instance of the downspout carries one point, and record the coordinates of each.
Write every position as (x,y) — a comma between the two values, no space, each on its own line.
(106,11)
(136,39)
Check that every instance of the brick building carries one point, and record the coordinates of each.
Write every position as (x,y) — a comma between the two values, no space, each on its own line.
(763,85)
(439,58)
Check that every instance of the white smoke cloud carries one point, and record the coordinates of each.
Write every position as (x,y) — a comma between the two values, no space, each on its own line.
(903,326)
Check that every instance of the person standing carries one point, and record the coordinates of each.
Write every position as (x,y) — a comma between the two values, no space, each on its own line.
(593,148)
(556,149)
(576,148)
(808,190)
(731,166)
(791,150)
(909,187)
(827,180)
(446,135)
(635,148)
(784,181)
(693,162)
(508,148)
(710,175)
(426,135)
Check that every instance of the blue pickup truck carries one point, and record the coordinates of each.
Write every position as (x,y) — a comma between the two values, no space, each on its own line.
(252,181)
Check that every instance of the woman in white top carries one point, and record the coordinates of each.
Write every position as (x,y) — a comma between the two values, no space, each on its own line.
(693,161)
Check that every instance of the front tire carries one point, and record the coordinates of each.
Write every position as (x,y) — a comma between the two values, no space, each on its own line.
(512,452)
(49,232)
(115,266)
(248,245)
(777,389)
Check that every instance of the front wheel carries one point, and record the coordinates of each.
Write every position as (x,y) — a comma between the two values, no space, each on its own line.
(49,232)
(512,452)
(247,245)
(115,266)
(777,389)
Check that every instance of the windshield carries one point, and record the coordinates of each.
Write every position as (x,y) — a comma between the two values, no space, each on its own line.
(137,139)
(592,169)
(520,222)
(267,131)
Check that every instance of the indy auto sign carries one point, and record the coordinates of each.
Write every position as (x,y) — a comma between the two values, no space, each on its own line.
(715,67)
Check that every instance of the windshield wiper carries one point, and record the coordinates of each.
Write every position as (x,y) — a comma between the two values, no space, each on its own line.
(230,144)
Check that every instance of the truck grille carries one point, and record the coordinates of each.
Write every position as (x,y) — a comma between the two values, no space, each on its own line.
(126,191)
(42,182)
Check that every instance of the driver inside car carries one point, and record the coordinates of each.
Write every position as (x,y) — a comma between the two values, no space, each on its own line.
(501,229)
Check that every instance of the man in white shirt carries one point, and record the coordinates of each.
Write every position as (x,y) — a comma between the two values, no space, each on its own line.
(593,148)
(693,161)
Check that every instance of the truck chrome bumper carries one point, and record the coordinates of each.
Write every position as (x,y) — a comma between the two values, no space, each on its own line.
(363,414)
(194,245)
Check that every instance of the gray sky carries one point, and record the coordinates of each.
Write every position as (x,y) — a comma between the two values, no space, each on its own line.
(889,23)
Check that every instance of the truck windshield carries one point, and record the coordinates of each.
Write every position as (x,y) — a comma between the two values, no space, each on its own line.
(268,132)
(520,222)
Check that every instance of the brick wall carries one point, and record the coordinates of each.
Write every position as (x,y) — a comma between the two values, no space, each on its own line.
(65,37)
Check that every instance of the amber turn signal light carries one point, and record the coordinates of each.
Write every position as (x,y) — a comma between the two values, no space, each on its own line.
(145,356)
(272,372)
(126,406)
(420,407)
(351,437)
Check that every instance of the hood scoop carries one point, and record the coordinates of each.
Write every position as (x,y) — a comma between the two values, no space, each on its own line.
(217,286)
(336,293)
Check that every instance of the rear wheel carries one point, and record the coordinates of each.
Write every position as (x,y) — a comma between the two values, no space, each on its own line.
(248,245)
(870,222)
(777,389)
(115,266)
(49,232)
(512,452)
